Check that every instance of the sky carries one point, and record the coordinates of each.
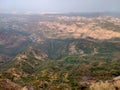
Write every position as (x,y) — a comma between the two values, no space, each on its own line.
(62,6)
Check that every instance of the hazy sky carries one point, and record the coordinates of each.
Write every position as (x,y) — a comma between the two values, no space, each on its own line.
(59,5)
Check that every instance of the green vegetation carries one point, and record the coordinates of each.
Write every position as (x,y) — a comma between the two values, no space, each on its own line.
(68,72)
(110,26)
(29,58)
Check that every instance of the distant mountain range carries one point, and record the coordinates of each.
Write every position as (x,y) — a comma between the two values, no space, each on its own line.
(86,14)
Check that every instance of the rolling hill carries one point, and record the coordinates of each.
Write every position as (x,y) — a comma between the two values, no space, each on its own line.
(58,52)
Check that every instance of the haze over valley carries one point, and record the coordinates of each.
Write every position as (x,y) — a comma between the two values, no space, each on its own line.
(59,45)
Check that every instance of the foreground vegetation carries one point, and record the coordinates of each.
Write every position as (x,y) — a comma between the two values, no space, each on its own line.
(70,71)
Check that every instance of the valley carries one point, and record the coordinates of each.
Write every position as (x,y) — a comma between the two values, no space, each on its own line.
(58,52)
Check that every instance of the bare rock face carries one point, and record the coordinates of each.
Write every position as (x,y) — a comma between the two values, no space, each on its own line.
(24,88)
(73,30)
(27,88)
(72,49)
(6,84)
(117,78)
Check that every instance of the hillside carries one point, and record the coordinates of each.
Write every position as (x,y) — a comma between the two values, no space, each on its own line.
(62,26)
(70,61)
(11,43)
(58,52)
